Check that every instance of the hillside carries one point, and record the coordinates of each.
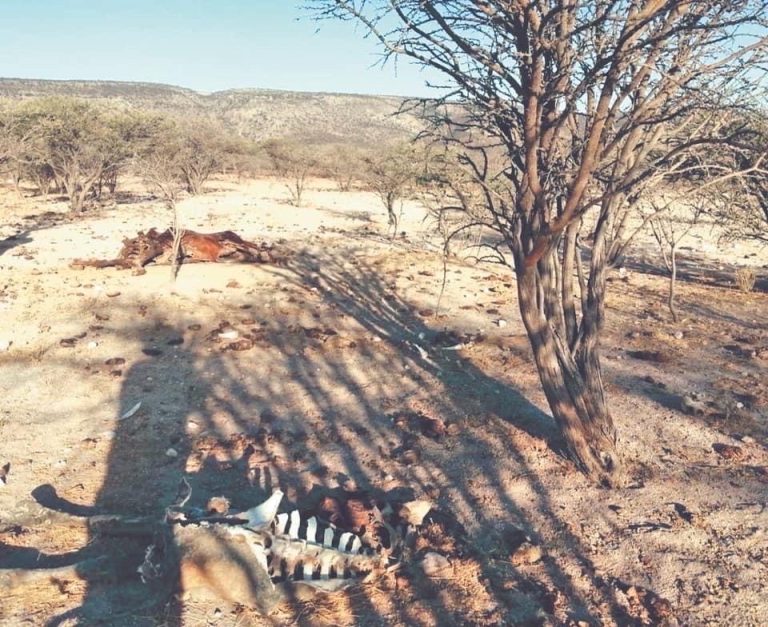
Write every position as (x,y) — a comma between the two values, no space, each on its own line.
(255,113)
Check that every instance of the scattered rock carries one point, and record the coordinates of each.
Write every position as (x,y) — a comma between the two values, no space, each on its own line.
(436,566)
(152,352)
(113,294)
(747,439)
(678,335)
(501,323)
(68,342)
(5,345)
(172,453)
(194,327)
(175,341)
(729,452)
(527,553)
(658,357)
(230,334)
(414,512)
(692,406)
(243,344)
(138,271)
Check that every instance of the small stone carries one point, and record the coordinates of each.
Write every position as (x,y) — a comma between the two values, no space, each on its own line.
(113,294)
(739,405)
(138,271)
(748,439)
(435,565)
(729,452)
(93,345)
(501,323)
(172,453)
(679,335)
(527,553)
(4,345)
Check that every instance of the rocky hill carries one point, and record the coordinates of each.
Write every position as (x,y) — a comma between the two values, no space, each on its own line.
(256,113)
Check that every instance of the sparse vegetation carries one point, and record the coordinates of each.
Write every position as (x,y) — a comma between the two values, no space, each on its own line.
(745,279)
(292,161)
(584,103)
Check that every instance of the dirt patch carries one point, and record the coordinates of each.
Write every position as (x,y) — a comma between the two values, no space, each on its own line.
(337,372)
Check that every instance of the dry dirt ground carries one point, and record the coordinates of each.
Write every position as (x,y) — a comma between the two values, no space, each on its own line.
(347,352)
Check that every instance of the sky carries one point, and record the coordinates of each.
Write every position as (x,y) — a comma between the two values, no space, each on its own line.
(205,45)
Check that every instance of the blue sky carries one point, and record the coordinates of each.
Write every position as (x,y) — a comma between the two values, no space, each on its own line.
(207,45)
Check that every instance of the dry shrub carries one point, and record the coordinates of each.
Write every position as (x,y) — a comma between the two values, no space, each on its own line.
(745,279)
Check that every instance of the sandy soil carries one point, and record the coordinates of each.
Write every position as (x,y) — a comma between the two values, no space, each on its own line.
(348,340)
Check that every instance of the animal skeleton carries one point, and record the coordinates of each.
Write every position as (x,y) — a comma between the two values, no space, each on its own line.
(269,553)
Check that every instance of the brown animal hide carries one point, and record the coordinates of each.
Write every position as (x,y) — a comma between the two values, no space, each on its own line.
(156,247)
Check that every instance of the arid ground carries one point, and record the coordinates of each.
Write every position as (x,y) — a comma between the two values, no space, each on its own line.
(348,347)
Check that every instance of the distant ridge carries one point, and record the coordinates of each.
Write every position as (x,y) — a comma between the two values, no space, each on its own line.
(314,117)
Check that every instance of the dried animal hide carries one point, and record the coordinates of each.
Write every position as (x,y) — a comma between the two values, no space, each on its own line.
(157,247)
(257,557)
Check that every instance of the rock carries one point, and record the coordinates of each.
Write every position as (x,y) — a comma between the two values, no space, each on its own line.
(414,512)
(172,453)
(527,553)
(501,323)
(93,345)
(679,335)
(138,271)
(747,439)
(113,294)
(693,406)
(436,566)
(114,361)
(5,345)
(729,452)
(409,457)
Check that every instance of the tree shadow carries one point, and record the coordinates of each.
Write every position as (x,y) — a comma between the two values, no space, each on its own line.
(310,401)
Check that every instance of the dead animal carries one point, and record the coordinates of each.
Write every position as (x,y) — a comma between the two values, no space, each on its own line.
(156,247)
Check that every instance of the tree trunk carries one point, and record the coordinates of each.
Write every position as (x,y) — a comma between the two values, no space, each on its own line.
(572,380)
(672,281)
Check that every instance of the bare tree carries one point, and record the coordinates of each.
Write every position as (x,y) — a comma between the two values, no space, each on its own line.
(294,162)
(583,102)
(200,153)
(392,175)
(670,222)
(342,164)
(159,165)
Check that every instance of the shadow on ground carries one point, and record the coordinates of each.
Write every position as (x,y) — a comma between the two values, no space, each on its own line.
(318,406)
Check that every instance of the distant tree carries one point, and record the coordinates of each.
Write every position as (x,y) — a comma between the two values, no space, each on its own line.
(742,208)
(200,152)
(293,162)
(159,164)
(343,165)
(567,109)
(74,142)
(392,175)
(671,221)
